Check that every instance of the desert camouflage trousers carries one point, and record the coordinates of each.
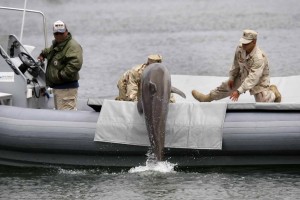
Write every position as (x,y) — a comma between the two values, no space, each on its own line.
(223,91)
(65,99)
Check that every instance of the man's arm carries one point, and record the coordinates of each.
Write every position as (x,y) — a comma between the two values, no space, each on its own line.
(73,63)
(235,68)
(43,54)
(254,75)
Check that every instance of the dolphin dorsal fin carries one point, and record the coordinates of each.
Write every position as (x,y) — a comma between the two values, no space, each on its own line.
(152,87)
(177,91)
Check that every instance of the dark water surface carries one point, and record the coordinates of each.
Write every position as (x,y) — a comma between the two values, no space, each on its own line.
(214,183)
(195,37)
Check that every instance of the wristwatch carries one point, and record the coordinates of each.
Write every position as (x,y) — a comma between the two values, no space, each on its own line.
(238,92)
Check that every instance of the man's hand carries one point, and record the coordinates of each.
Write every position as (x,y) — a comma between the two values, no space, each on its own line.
(230,84)
(235,95)
(41,58)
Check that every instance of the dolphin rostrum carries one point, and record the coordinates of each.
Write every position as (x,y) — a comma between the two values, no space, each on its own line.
(155,91)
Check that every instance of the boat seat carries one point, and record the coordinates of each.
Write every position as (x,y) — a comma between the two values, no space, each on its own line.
(5,99)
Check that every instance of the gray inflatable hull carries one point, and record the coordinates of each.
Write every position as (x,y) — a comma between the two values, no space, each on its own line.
(48,138)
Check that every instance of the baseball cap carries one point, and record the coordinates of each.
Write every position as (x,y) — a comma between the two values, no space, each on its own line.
(59,27)
(155,58)
(248,36)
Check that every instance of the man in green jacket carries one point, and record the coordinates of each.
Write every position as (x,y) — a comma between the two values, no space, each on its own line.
(64,60)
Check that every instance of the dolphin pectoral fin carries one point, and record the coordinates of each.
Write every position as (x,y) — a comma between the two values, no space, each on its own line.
(140,107)
(152,87)
(177,91)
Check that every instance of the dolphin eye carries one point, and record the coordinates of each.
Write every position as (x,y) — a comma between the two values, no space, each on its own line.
(152,88)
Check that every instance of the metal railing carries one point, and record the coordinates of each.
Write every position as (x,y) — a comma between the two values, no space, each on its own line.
(30,11)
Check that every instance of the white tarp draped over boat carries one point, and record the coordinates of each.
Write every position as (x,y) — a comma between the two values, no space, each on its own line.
(189,125)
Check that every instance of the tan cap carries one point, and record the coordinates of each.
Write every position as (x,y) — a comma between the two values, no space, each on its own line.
(154,58)
(248,36)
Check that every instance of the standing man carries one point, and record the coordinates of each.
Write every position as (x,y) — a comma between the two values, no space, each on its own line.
(249,71)
(64,60)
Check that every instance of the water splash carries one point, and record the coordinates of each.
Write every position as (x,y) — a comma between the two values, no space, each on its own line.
(152,165)
(162,167)
(72,172)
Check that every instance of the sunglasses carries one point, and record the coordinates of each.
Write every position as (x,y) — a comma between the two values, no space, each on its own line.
(57,33)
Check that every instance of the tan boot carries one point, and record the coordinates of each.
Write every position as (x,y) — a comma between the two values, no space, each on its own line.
(201,97)
(274,89)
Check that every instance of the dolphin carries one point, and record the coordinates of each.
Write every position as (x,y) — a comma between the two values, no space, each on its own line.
(155,92)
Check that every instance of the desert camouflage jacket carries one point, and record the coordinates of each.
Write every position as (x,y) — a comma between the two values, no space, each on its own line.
(252,69)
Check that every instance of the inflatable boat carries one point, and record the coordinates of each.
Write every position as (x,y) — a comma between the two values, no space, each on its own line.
(113,134)
(47,138)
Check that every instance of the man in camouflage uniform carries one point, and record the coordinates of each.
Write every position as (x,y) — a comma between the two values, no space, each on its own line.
(129,82)
(250,71)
